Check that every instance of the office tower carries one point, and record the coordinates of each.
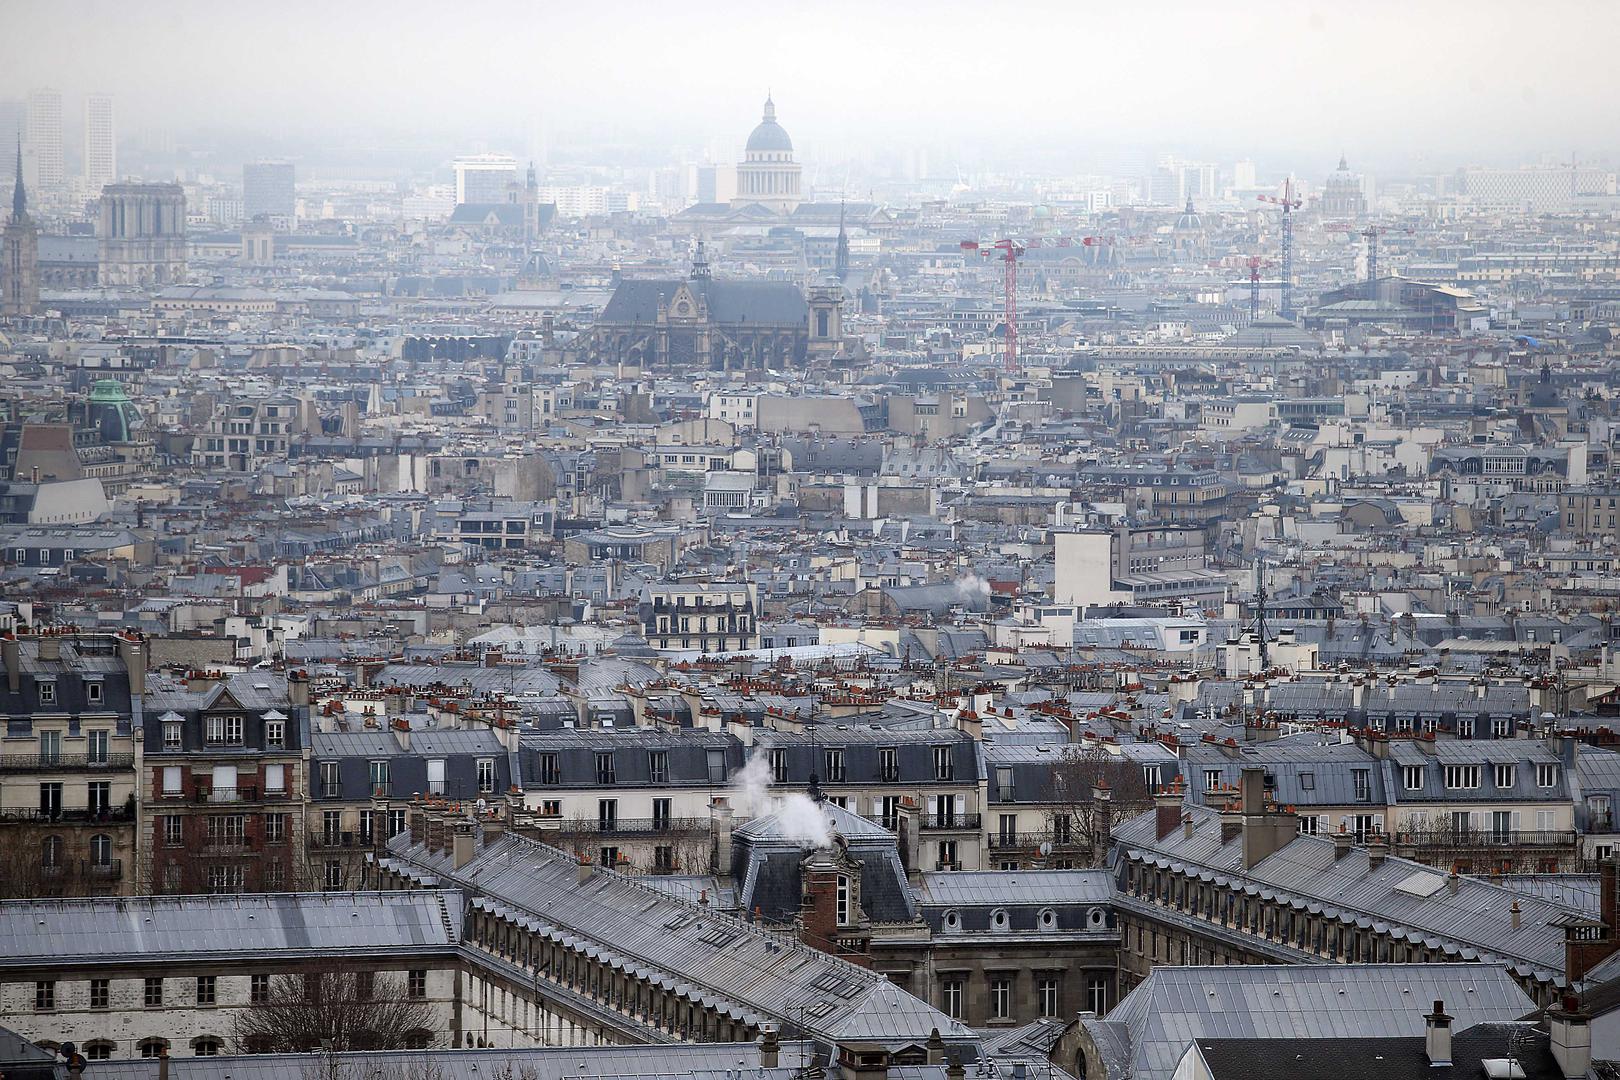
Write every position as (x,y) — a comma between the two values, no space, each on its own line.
(483,178)
(100,142)
(13,125)
(267,191)
(44,137)
(142,234)
(1243,178)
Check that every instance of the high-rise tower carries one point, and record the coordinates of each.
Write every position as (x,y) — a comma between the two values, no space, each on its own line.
(100,142)
(45,138)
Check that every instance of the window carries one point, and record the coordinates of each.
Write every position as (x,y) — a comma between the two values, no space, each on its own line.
(843,900)
(331,787)
(947,855)
(275,828)
(206,990)
(98,1050)
(1501,726)
(259,989)
(96,749)
(1307,781)
(275,734)
(1465,729)
(486,776)
(1361,781)
(662,813)
(152,991)
(549,773)
(1047,991)
(223,880)
(888,764)
(45,995)
(416,983)
(835,766)
(889,813)
(224,731)
(50,799)
(225,830)
(1000,997)
(604,766)
(779,765)
(173,829)
(950,997)
(658,766)
(1412,777)
(205,1046)
(98,797)
(1546,775)
(275,779)
(101,851)
(435,776)
(99,995)
(1212,779)
(1097,993)
(944,763)
(1462,776)
(47,693)
(717,766)
(153,1047)
(607,815)
(174,735)
(333,877)
(396,822)
(1503,775)
(377,778)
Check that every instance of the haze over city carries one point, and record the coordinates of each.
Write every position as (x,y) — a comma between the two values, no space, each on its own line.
(812,541)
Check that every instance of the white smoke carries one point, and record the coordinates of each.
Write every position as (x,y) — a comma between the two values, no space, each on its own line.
(969,586)
(800,819)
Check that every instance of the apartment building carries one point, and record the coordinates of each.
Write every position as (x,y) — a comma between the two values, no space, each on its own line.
(709,618)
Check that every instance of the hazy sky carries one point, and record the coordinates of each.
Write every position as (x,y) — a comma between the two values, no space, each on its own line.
(1425,83)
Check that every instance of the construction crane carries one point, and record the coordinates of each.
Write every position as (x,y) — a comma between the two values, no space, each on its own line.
(1254,263)
(1371,234)
(1010,250)
(1289,201)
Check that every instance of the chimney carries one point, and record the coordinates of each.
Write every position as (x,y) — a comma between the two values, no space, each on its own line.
(818,902)
(132,650)
(461,844)
(50,647)
(11,650)
(587,869)
(936,1048)
(1437,1036)
(721,856)
(1378,851)
(163,1063)
(1606,893)
(1265,830)
(492,658)
(1453,881)
(298,688)
(1167,809)
(1570,1033)
(1343,842)
(1102,808)
(418,820)
(1513,914)
(770,1048)
(910,837)
(1186,826)
(955,1070)
(435,829)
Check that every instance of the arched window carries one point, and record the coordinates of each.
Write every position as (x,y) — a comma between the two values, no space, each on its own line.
(998,919)
(98,1050)
(50,852)
(418,1039)
(206,1045)
(101,850)
(152,1046)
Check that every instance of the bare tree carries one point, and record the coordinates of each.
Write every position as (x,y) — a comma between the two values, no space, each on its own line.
(1092,789)
(335,1008)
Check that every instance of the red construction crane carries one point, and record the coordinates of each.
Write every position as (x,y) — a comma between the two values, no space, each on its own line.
(1010,250)
(1289,201)
(1254,263)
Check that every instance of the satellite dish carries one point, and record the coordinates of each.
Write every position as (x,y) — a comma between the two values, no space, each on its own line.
(1046,848)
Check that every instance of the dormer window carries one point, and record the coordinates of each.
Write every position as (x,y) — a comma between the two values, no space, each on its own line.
(998,919)
(47,693)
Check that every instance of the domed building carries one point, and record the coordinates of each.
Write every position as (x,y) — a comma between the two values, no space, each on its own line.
(111,413)
(1342,195)
(768,176)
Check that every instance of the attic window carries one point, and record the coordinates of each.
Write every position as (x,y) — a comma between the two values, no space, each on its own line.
(998,919)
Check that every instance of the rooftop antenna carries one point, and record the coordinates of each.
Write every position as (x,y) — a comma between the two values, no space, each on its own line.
(1260,612)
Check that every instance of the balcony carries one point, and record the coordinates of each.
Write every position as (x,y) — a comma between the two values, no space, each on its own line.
(62,762)
(67,817)
(635,826)
(1029,841)
(950,822)
(343,841)
(1490,838)
(249,793)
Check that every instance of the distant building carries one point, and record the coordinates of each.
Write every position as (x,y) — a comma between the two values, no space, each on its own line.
(142,234)
(19,272)
(483,178)
(1343,196)
(100,142)
(768,175)
(44,138)
(267,191)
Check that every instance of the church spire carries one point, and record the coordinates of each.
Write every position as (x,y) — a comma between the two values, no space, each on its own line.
(770,109)
(841,256)
(19,198)
(700,263)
